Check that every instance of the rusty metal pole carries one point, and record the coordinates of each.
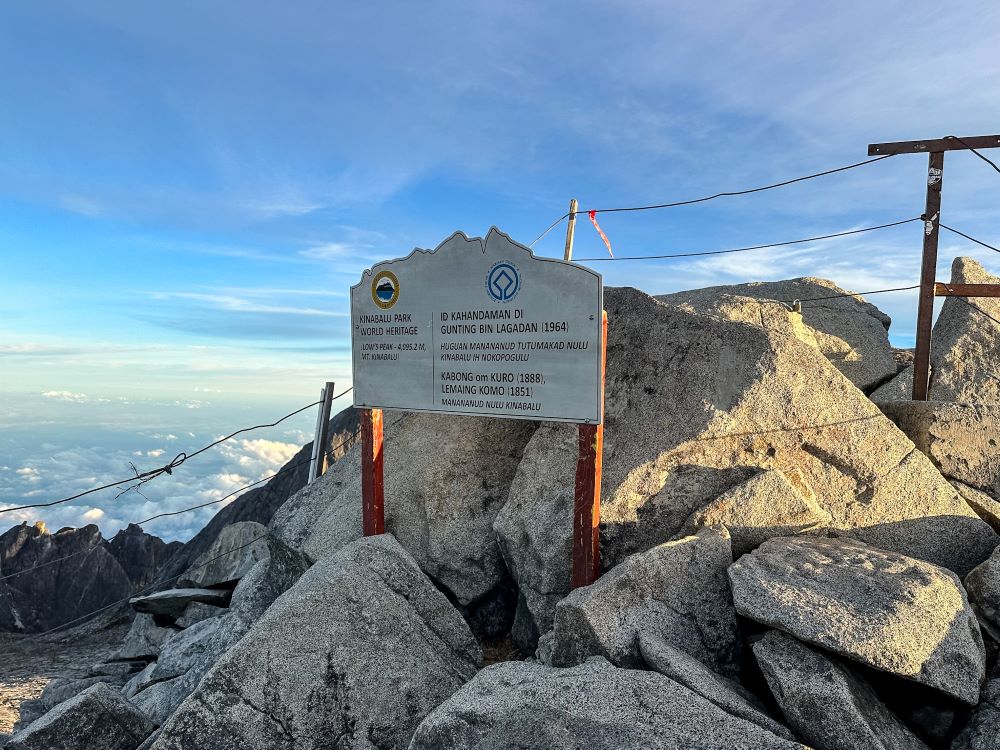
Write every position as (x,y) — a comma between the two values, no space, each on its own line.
(372,488)
(587,489)
(928,276)
(570,230)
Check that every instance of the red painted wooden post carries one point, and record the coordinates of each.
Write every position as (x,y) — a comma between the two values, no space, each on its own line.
(587,491)
(372,497)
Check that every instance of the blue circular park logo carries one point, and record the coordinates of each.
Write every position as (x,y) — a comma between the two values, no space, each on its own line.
(503,282)
(385,289)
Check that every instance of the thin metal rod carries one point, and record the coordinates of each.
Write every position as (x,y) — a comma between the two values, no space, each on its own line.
(570,230)
(323,458)
(313,459)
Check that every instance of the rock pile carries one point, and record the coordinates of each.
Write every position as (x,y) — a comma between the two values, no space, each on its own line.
(784,566)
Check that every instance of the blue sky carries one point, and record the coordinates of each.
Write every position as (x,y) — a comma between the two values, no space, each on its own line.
(187,190)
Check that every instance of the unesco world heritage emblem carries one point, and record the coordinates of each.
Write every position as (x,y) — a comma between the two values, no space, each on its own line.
(503,282)
(385,289)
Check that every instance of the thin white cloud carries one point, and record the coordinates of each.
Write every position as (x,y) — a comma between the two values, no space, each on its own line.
(65,396)
(233,303)
(329,251)
(28,473)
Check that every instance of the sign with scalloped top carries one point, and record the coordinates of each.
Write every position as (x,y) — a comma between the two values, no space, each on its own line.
(479,327)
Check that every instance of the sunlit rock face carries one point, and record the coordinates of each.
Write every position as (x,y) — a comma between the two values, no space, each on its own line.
(697,405)
(963,440)
(884,610)
(965,347)
(851,333)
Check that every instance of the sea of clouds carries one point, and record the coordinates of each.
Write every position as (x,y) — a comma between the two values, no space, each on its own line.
(54,444)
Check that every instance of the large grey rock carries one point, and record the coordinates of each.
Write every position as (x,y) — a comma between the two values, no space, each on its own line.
(851,333)
(983,730)
(963,440)
(594,705)
(727,694)
(99,717)
(238,548)
(139,681)
(535,528)
(900,388)
(144,639)
(354,655)
(117,670)
(984,505)
(266,581)
(983,586)
(696,405)
(896,614)
(765,506)
(170,604)
(827,704)
(196,647)
(676,591)
(159,700)
(446,478)
(196,612)
(57,691)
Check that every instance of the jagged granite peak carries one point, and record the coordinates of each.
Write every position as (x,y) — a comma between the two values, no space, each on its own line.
(141,555)
(49,593)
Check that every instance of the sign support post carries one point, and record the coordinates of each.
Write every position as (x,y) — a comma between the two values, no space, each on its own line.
(372,461)
(587,489)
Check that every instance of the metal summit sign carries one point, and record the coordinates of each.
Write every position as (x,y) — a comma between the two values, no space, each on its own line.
(479,327)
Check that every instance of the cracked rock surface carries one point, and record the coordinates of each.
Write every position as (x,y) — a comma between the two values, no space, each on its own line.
(355,655)
(896,614)
(593,705)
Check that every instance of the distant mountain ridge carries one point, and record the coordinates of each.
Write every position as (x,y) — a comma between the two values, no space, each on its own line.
(45,590)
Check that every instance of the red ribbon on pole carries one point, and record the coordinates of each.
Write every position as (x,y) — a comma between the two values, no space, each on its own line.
(607,242)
